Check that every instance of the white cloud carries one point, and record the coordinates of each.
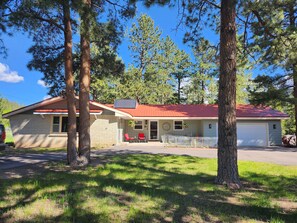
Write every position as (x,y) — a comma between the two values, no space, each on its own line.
(6,75)
(46,97)
(41,83)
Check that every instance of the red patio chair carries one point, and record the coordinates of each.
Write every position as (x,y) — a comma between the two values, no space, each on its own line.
(128,138)
(141,137)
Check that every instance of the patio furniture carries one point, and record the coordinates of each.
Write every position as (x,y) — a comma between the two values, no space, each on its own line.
(129,139)
(141,137)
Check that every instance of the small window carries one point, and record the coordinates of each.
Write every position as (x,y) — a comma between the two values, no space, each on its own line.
(63,122)
(56,124)
(138,125)
(178,125)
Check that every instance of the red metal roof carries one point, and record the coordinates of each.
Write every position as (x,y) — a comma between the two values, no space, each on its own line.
(200,110)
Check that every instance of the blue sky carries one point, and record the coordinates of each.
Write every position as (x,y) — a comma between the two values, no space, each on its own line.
(19,84)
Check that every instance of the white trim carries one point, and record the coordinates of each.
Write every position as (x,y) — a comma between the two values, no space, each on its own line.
(112,109)
(142,125)
(174,129)
(149,129)
(207,118)
(63,113)
(60,124)
(33,106)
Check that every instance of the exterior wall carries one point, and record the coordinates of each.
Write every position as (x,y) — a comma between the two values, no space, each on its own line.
(275,135)
(194,128)
(31,130)
(104,130)
(209,132)
(35,131)
(121,125)
(134,133)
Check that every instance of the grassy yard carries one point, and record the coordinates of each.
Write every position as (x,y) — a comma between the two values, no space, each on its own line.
(151,188)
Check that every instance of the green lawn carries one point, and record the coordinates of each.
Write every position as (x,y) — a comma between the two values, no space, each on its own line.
(151,188)
(9,137)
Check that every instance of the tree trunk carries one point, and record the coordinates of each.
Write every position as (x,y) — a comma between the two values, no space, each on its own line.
(84,86)
(295,96)
(178,90)
(71,132)
(292,24)
(227,136)
(203,90)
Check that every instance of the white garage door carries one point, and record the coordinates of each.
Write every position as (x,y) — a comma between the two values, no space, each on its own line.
(252,134)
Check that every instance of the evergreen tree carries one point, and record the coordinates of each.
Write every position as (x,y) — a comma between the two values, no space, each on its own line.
(157,63)
(52,32)
(202,87)
(273,27)
(49,24)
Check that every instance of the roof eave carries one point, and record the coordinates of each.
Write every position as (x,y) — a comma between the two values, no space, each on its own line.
(203,118)
(33,106)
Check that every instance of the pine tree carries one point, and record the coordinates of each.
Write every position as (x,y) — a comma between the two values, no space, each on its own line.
(273,28)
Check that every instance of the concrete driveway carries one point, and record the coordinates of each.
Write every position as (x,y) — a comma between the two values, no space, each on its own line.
(9,162)
(277,155)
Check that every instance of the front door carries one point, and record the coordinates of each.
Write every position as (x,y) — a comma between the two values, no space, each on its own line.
(154,130)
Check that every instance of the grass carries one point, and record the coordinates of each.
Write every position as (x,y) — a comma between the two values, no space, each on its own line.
(16,151)
(9,136)
(151,188)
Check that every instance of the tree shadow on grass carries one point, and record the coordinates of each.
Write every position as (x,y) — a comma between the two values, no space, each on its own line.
(179,196)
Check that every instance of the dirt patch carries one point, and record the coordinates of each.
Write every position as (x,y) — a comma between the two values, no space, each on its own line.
(286,205)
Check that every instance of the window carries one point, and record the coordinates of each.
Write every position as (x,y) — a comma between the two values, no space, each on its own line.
(178,125)
(56,124)
(138,125)
(60,124)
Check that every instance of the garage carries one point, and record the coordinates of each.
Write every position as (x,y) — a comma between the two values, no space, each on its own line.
(252,134)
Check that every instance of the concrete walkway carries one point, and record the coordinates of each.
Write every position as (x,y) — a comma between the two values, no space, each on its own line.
(277,155)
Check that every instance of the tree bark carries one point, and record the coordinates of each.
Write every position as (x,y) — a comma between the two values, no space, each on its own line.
(71,132)
(292,24)
(227,136)
(203,90)
(84,85)
(295,97)
(178,90)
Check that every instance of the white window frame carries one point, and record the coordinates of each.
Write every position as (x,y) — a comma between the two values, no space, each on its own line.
(60,124)
(182,121)
(141,125)
(52,124)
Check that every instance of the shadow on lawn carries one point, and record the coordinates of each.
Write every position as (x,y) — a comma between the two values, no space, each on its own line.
(185,197)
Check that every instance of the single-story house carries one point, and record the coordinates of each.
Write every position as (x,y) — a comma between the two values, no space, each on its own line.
(44,124)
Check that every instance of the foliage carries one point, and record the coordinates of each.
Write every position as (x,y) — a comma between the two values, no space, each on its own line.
(47,35)
(5,107)
(157,62)
(275,91)
(149,188)
(273,28)
(131,123)
(4,23)
(202,87)
(148,79)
